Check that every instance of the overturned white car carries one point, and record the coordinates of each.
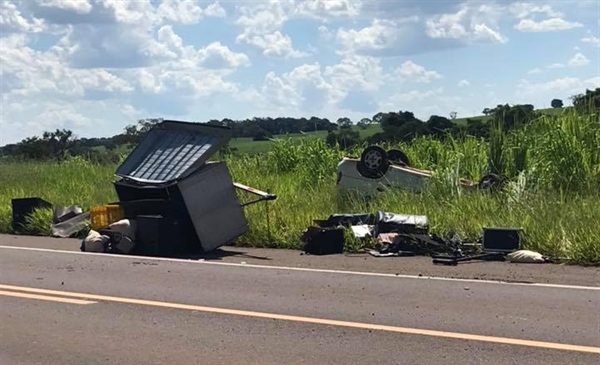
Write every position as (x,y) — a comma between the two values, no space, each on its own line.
(378,169)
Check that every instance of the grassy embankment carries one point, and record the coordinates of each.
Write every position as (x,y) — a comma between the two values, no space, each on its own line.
(553,194)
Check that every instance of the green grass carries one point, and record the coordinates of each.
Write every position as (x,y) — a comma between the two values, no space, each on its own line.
(247,146)
(487,118)
(553,193)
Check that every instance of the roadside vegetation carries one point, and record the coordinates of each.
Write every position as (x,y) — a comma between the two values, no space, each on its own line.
(551,162)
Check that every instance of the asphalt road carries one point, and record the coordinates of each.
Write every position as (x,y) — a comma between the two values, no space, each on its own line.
(72,308)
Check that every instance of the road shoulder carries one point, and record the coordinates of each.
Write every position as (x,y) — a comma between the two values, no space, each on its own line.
(417,266)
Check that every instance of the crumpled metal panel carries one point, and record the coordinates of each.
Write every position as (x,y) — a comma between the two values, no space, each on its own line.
(172,150)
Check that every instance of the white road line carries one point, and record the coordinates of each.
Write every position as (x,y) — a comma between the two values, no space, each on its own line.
(303,269)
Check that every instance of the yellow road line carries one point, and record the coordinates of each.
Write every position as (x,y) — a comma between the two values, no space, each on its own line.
(321,321)
(45,297)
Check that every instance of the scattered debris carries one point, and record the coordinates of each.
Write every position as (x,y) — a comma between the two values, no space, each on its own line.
(362,231)
(94,242)
(328,236)
(68,221)
(527,257)
(496,244)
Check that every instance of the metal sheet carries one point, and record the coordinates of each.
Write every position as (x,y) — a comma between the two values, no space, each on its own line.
(172,150)
(213,205)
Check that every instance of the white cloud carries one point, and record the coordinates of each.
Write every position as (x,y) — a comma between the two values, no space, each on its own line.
(324,9)
(29,73)
(178,77)
(262,25)
(78,6)
(280,92)
(303,88)
(139,12)
(411,71)
(579,60)
(534,71)
(555,65)
(215,10)
(170,47)
(548,25)
(276,45)
(380,34)
(590,39)
(471,24)
(447,25)
(217,56)
(180,11)
(310,88)
(325,33)
(262,19)
(188,11)
(12,20)
(482,32)
(426,103)
(363,72)
(561,88)
(523,10)
(463,83)
(415,96)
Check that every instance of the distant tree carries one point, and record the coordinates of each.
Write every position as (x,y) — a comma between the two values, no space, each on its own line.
(367,121)
(487,111)
(556,103)
(508,117)
(215,122)
(393,125)
(58,142)
(588,101)
(51,145)
(453,115)
(345,138)
(439,125)
(412,129)
(344,122)
(134,133)
(362,125)
(477,128)
(378,117)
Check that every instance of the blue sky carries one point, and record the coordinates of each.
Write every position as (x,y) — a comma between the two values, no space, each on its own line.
(97,66)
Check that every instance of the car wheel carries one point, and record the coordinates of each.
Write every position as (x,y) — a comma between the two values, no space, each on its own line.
(490,181)
(375,158)
(398,157)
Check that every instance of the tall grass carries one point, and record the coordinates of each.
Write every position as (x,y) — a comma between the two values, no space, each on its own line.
(553,193)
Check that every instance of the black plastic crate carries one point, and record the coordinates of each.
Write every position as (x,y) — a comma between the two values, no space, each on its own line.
(501,239)
(22,207)
(162,236)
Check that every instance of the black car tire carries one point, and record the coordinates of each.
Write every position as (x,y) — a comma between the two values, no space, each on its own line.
(397,157)
(373,163)
(490,181)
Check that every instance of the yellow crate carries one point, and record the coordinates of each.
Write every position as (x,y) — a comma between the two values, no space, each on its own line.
(103,215)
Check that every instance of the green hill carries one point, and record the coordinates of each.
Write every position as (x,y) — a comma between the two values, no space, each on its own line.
(249,146)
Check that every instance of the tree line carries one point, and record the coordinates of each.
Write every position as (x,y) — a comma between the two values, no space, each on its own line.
(395,127)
